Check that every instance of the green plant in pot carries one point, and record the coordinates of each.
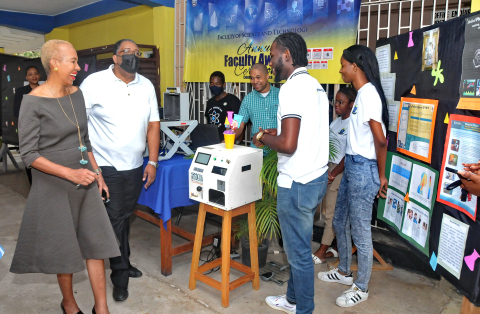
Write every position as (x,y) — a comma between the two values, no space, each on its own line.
(267,223)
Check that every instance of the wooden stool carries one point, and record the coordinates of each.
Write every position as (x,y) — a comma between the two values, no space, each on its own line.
(251,274)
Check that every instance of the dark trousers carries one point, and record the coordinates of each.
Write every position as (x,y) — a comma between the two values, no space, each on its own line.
(124,188)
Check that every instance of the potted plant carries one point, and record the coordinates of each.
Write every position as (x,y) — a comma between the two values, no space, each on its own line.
(267,223)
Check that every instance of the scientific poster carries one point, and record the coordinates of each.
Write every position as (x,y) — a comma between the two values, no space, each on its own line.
(416,127)
(394,208)
(430,49)
(470,82)
(400,173)
(462,145)
(422,185)
(393,107)
(451,247)
(416,223)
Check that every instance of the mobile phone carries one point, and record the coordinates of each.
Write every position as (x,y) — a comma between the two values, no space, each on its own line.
(104,196)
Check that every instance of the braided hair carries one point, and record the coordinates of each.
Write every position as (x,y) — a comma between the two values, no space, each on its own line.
(296,45)
(349,92)
(366,61)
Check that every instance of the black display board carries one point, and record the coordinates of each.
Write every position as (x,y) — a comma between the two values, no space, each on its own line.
(408,69)
(13,77)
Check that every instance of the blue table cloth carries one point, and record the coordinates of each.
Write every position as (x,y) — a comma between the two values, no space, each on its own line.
(170,188)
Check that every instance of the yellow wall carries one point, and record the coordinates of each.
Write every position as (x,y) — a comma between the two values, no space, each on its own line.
(143,24)
(475,5)
(2,50)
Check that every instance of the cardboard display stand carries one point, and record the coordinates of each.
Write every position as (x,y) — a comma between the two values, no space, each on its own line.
(427,64)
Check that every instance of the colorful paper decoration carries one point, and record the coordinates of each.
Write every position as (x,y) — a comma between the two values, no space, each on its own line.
(8,78)
(433,261)
(2,251)
(447,120)
(396,57)
(4,67)
(86,67)
(470,260)
(414,90)
(437,73)
(406,199)
(410,40)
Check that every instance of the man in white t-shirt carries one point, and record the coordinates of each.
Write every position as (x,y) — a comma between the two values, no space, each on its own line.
(301,140)
(122,112)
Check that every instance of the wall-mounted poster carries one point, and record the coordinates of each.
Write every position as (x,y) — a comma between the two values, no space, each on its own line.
(430,49)
(416,125)
(462,146)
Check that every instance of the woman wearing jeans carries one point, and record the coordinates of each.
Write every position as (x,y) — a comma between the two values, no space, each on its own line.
(364,175)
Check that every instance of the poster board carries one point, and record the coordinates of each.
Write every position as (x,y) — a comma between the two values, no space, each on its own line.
(412,188)
(462,145)
(416,126)
(443,84)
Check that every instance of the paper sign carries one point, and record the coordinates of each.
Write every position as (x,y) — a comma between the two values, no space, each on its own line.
(433,261)
(394,208)
(446,119)
(470,260)
(416,223)
(393,114)
(414,90)
(86,67)
(383,58)
(400,173)
(388,84)
(410,40)
(453,236)
(422,185)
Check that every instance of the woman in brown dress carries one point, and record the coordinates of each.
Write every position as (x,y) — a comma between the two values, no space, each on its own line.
(65,221)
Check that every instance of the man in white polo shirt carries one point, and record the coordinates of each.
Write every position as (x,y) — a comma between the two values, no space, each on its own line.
(122,113)
(301,140)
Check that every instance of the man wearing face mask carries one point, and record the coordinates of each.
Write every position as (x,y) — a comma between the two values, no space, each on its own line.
(122,112)
(220,103)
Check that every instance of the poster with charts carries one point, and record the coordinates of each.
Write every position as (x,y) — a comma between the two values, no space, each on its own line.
(422,185)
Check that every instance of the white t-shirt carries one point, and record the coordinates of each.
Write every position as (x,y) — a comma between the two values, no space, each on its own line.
(302,97)
(265,94)
(118,116)
(368,106)
(339,130)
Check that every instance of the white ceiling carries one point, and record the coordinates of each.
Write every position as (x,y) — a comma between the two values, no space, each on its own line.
(45,7)
(13,40)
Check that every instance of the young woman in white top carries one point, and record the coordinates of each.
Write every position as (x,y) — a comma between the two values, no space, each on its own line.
(344,100)
(364,174)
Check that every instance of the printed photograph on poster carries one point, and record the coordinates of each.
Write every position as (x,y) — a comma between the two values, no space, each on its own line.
(416,223)
(470,82)
(451,248)
(430,49)
(394,208)
(462,146)
(416,125)
(383,58)
(400,173)
(422,185)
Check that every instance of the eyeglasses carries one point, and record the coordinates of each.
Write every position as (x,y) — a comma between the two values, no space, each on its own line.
(129,51)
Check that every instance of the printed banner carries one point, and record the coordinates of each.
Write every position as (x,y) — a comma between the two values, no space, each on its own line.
(232,35)
(462,146)
(410,198)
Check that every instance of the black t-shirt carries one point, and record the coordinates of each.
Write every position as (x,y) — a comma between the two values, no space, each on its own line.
(19,92)
(216,111)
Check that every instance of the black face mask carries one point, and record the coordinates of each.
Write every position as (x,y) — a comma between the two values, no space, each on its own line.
(130,63)
(216,90)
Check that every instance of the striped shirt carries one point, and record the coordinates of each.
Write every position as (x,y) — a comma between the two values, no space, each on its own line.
(262,111)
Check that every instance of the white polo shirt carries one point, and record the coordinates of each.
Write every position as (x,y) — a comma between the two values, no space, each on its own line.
(368,106)
(302,97)
(118,115)
(339,130)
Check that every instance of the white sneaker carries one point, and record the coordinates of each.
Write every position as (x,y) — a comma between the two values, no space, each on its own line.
(334,276)
(352,297)
(280,303)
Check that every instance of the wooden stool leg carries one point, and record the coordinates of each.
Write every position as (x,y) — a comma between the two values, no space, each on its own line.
(252,233)
(197,246)
(166,248)
(226,237)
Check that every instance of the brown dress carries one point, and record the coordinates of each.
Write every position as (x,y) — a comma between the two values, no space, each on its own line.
(62,224)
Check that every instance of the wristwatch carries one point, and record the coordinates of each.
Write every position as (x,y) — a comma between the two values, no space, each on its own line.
(153,163)
(259,137)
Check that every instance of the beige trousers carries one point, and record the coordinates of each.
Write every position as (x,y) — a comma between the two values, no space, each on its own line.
(328,206)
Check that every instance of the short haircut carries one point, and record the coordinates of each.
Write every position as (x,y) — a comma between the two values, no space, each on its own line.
(218,74)
(116,47)
(50,50)
(349,92)
(260,67)
(31,67)
(296,45)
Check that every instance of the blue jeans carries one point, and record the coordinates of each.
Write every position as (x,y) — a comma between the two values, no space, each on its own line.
(353,215)
(296,207)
